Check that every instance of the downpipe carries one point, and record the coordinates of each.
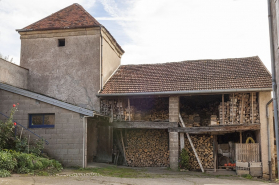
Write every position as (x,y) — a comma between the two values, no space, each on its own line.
(268,140)
(274,86)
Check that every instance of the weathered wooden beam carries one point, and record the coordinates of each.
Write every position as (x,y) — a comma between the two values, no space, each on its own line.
(241,114)
(223,114)
(145,124)
(215,151)
(124,151)
(223,128)
(129,107)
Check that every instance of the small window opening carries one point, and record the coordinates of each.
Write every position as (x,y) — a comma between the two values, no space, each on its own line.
(61,42)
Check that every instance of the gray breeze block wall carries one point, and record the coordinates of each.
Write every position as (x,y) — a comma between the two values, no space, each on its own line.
(13,74)
(65,139)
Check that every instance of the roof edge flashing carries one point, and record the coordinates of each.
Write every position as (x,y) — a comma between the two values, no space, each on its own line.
(186,92)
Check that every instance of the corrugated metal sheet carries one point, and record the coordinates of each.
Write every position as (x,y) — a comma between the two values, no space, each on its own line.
(46,99)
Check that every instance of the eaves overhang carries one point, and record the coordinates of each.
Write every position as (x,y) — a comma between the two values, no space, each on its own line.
(215,91)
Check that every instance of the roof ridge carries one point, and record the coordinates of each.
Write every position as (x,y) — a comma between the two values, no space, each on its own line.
(197,60)
(79,6)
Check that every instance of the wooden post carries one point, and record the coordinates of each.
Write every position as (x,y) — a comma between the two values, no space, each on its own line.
(124,152)
(223,113)
(182,140)
(232,108)
(241,113)
(240,137)
(129,107)
(191,143)
(252,109)
(215,153)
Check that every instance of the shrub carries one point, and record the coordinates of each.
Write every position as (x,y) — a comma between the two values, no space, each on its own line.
(4,173)
(7,161)
(184,159)
(23,170)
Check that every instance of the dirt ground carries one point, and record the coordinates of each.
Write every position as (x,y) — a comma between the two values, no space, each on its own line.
(111,175)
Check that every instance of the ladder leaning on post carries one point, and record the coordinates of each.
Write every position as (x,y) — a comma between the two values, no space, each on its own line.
(190,140)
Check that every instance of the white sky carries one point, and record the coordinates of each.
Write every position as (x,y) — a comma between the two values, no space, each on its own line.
(152,31)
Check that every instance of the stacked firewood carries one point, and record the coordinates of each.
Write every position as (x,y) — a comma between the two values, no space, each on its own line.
(147,148)
(192,120)
(204,147)
(239,102)
(139,110)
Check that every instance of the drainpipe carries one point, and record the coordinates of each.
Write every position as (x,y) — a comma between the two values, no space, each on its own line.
(101,60)
(268,140)
(274,86)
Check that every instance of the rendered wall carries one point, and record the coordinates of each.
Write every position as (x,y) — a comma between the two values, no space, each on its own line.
(70,73)
(13,74)
(65,139)
(111,59)
(264,97)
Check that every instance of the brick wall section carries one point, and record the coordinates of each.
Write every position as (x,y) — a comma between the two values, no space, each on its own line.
(174,150)
(173,108)
(65,139)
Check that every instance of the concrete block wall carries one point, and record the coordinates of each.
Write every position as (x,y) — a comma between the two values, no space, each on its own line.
(173,108)
(13,74)
(174,150)
(65,139)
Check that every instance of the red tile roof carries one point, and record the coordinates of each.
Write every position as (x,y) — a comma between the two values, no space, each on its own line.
(234,73)
(73,16)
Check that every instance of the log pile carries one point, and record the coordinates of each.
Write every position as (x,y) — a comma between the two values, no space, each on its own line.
(147,148)
(239,102)
(141,109)
(204,147)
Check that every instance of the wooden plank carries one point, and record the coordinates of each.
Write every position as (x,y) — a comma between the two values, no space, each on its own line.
(129,107)
(240,136)
(123,146)
(215,152)
(219,128)
(195,152)
(191,143)
(223,112)
(241,114)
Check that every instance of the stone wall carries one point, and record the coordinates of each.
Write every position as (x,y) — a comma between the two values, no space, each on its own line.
(65,139)
(147,148)
(13,74)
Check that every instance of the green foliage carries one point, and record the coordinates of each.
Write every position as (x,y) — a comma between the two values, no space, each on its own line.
(7,161)
(247,176)
(6,130)
(184,159)
(4,173)
(23,170)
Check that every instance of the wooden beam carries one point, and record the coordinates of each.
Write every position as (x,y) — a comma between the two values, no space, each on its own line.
(221,128)
(144,124)
(215,151)
(191,143)
(241,114)
(240,137)
(223,113)
(129,107)
(124,151)
(252,109)
(182,140)
(232,108)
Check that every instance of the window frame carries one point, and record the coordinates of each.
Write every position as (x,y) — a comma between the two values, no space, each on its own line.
(40,126)
(60,41)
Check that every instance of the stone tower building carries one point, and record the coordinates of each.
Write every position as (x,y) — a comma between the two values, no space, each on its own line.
(70,56)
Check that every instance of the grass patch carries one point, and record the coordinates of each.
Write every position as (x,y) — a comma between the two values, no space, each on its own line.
(116,172)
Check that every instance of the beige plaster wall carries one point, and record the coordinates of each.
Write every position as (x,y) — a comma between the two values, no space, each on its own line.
(65,139)
(264,98)
(13,74)
(111,59)
(70,73)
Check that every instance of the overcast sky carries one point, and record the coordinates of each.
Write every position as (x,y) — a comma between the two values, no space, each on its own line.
(152,31)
